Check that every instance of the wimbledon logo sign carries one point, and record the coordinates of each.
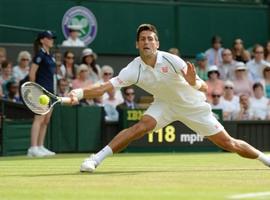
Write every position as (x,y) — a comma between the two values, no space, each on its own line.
(84,18)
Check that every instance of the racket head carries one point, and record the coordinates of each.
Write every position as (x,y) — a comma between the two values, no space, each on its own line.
(31,92)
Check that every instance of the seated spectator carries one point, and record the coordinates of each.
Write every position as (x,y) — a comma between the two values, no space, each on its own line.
(266,80)
(60,68)
(223,105)
(106,74)
(89,58)
(81,81)
(226,69)
(74,37)
(256,65)
(238,50)
(213,82)
(246,56)
(244,112)
(129,97)
(21,70)
(242,85)
(230,98)
(214,53)
(174,51)
(62,87)
(12,92)
(201,66)
(3,56)
(70,68)
(6,75)
(259,103)
(110,105)
(112,99)
(267,52)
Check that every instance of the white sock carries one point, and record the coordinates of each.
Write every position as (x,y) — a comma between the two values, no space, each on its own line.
(34,147)
(103,153)
(264,159)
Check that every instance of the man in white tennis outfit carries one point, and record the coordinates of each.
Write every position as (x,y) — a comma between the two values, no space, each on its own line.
(178,95)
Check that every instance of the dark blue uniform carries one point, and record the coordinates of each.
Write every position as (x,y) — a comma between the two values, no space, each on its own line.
(46,70)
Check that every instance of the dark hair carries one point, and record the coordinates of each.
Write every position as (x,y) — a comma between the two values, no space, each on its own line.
(93,64)
(73,66)
(127,88)
(146,27)
(215,39)
(36,46)
(10,83)
(208,73)
(255,47)
(5,64)
(257,85)
(266,52)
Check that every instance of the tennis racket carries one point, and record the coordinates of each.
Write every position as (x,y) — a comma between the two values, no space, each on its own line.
(31,92)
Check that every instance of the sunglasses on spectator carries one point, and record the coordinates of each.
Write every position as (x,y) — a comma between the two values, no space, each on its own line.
(259,52)
(24,59)
(70,57)
(216,95)
(129,93)
(226,87)
(107,73)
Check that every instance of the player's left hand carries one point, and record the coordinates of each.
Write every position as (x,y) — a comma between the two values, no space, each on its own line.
(190,74)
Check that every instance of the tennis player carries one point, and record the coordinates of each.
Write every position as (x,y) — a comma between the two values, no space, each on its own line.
(178,95)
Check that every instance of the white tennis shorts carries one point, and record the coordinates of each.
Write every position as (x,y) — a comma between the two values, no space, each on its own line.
(198,118)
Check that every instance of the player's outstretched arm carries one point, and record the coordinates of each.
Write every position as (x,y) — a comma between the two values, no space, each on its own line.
(91,92)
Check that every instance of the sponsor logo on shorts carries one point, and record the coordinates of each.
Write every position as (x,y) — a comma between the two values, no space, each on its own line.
(83,17)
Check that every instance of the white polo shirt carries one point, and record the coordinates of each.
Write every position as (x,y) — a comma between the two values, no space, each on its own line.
(73,43)
(164,81)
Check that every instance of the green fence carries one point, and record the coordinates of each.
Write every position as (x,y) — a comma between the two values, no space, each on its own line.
(188,25)
(72,129)
(82,129)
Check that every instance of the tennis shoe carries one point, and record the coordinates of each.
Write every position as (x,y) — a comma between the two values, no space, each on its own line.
(35,152)
(89,164)
(46,151)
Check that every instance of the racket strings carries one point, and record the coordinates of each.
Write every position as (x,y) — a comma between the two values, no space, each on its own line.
(31,96)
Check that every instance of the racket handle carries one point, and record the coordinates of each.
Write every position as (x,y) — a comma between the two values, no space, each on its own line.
(65,100)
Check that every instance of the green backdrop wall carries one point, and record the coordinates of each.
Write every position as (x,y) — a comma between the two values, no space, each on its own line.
(186,25)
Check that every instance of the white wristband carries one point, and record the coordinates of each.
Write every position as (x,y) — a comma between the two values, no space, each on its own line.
(78,93)
(198,85)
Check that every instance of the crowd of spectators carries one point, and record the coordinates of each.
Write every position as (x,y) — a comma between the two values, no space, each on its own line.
(238,79)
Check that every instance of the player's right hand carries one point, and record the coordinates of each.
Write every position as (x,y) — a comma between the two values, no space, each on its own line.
(73,96)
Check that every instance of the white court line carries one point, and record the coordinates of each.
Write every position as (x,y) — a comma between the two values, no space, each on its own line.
(250,195)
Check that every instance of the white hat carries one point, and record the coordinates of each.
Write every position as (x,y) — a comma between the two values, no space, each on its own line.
(89,52)
(229,83)
(212,68)
(240,66)
(75,27)
(81,68)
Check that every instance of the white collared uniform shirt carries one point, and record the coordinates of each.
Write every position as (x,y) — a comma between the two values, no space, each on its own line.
(164,81)
(174,98)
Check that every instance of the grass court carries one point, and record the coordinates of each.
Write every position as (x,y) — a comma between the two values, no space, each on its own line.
(130,176)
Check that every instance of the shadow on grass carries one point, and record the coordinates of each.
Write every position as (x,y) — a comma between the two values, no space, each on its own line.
(119,173)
